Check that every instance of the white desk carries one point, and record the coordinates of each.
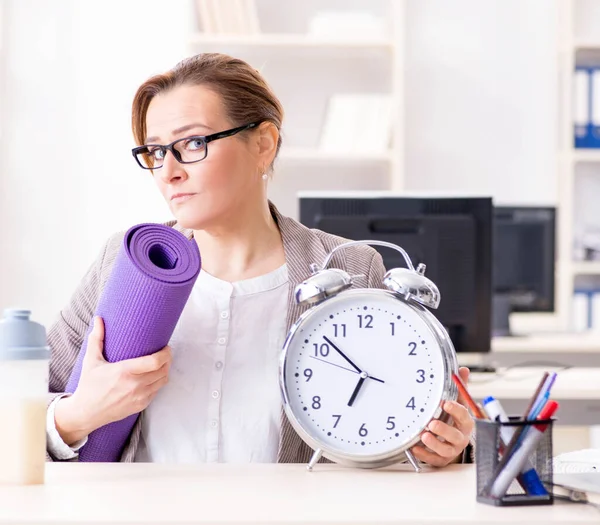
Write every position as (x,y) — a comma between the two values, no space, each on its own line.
(264,494)
(577,390)
(569,349)
(585,342)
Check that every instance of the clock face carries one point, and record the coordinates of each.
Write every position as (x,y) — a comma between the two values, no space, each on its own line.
(363,373)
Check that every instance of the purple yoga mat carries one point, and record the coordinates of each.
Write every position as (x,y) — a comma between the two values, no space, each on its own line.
(149,285)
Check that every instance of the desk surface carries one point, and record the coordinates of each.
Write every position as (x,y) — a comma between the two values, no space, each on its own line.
(520,383)
(264,494)
(588,342)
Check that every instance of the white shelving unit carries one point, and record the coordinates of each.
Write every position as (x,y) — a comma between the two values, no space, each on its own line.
(572,48)
(304,71)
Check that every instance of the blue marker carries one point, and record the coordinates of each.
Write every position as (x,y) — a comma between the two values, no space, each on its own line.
(528,477)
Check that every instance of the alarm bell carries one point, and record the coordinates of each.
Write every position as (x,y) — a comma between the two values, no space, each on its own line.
(408,282)
(412,284)
(321,285)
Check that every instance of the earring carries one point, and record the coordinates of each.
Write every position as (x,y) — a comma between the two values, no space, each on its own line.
(265,176)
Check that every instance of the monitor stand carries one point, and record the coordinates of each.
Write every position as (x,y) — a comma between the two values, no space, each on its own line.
(501,307)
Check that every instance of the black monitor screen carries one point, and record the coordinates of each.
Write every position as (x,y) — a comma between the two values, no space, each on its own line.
(451,236)
(523,261)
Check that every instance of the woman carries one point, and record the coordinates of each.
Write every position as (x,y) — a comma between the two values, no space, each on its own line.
(209,132)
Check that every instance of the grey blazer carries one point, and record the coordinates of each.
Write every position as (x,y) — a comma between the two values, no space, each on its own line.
(302,247)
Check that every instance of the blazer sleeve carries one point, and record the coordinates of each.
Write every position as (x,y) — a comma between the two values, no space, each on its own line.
(66,335)
(376,271)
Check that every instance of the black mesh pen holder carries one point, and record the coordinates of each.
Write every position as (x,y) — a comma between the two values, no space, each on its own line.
(496,483)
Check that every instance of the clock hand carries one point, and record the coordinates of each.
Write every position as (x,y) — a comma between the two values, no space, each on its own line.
(342,354)
(363,376)
(358,370)
(344,368)
(333,364)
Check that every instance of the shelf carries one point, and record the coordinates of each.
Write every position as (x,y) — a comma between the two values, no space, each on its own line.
(316,155)
(287,41)
(587,45)
(586,155)
(586,268)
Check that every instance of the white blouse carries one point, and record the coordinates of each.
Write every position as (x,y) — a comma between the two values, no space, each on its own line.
(222,402)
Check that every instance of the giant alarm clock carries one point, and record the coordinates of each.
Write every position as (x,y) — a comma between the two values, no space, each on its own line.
(363,371)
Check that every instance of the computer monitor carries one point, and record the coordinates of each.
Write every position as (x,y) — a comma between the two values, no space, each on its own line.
(523,262)
(451,236)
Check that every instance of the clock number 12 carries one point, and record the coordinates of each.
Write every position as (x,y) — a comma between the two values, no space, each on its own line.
(368,320)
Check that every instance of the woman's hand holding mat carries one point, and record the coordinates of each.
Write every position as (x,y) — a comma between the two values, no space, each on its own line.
(109,392)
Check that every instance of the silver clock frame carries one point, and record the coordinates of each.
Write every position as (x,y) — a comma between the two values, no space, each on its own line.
(450,363)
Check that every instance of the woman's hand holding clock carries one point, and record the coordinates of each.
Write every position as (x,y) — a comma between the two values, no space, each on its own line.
(455,437)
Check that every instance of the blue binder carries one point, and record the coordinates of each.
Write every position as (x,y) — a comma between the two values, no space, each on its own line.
(582,119)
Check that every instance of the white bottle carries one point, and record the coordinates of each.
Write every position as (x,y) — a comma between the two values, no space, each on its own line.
(24,361)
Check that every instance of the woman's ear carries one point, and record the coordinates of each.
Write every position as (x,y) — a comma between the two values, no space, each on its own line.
(268,136)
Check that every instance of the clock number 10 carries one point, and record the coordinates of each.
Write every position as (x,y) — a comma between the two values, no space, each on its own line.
(322,349)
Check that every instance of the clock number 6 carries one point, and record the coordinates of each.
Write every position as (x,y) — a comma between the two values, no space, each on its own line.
(362,432)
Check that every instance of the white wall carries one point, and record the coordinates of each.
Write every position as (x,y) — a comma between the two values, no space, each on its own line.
(480,103)
(67,175)
(481,98)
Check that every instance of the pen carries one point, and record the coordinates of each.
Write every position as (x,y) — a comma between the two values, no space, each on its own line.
(511,446)
(517,435)
(528,477)
(543,396)
(540,403)
(479,413)
(519,458)
(467,397)
(536,394)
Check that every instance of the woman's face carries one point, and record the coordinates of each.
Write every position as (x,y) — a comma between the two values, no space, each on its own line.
(210,191)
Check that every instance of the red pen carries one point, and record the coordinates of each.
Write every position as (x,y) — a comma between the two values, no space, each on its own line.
(467,397)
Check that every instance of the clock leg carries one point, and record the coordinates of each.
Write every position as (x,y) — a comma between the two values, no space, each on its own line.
(413,461)
(315,457)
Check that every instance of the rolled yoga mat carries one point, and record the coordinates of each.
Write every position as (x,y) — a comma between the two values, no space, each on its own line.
(149,285)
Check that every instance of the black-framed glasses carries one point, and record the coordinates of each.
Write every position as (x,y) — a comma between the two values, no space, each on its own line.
(186,150)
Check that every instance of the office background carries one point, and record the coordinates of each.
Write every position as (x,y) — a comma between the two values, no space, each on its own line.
(478,114)
(478,93)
